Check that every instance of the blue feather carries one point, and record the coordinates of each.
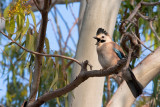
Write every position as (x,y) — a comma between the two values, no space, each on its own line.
(119,53)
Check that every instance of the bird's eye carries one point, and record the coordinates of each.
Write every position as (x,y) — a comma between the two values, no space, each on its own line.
(102,36)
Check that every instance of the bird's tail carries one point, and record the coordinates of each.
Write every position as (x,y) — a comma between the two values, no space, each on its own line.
(135,87)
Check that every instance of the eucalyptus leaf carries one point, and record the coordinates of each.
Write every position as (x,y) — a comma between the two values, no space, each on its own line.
(5,14)
(34,19)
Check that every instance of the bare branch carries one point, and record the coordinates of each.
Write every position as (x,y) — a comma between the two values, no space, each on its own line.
(59,32)
(69,35)
(108,89)
(152,28)
(126,37)
(68,64)
(38,58)
(117,78)
(52,4)
(84,75)
(134,12)
(65,22)
(37,5)
(150,24)
(148,47)
(150,3)
(129,59)
(142,42)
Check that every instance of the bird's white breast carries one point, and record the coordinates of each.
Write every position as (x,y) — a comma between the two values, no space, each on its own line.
(106,55)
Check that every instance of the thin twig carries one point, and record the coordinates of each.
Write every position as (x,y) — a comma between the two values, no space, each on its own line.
(152,28)
(150,3)
(142,16)
(65,22)
(41,54)
(134,12)
(72,13)
(141,42)
(52,4)
(69,35)
(59,31)
(37,5)
(129,57)
(150,24)
(68,64)
(148,47)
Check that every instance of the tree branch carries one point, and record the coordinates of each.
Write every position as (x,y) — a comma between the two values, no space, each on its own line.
(152,28)
(134,12)
(37,5)
(38,58)
(142,42)
(83,75)
(150,3)
(150,24)
(69,35)
(41,54)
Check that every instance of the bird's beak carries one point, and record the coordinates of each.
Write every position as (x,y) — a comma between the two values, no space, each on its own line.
(95,37)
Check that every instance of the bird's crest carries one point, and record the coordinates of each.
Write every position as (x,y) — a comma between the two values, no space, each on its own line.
(101,31)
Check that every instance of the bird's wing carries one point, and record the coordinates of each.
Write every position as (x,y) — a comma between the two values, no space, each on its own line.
(119,53)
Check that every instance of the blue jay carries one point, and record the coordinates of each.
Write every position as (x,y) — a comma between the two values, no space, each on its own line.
(108,55)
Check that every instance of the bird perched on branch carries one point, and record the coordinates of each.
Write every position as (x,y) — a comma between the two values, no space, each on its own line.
(109,53)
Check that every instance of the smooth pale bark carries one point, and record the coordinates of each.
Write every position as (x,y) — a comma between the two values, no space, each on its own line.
(81,14)
(144,72)
(98,13)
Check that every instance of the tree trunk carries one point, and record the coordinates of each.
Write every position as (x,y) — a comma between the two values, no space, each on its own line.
(144,72)
(81,14)
(98,13)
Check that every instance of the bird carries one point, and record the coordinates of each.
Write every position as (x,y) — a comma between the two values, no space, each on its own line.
(109,53)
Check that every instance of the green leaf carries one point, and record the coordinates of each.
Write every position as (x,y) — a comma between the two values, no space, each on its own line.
(9,44)
(29,42)
(18,34)
(5,14)
(34,19)
(20,23)
(10,25)
(22,56)
(54,80)
(26,27)
(57,99)
(66,1)
(48,60)
(47,45)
